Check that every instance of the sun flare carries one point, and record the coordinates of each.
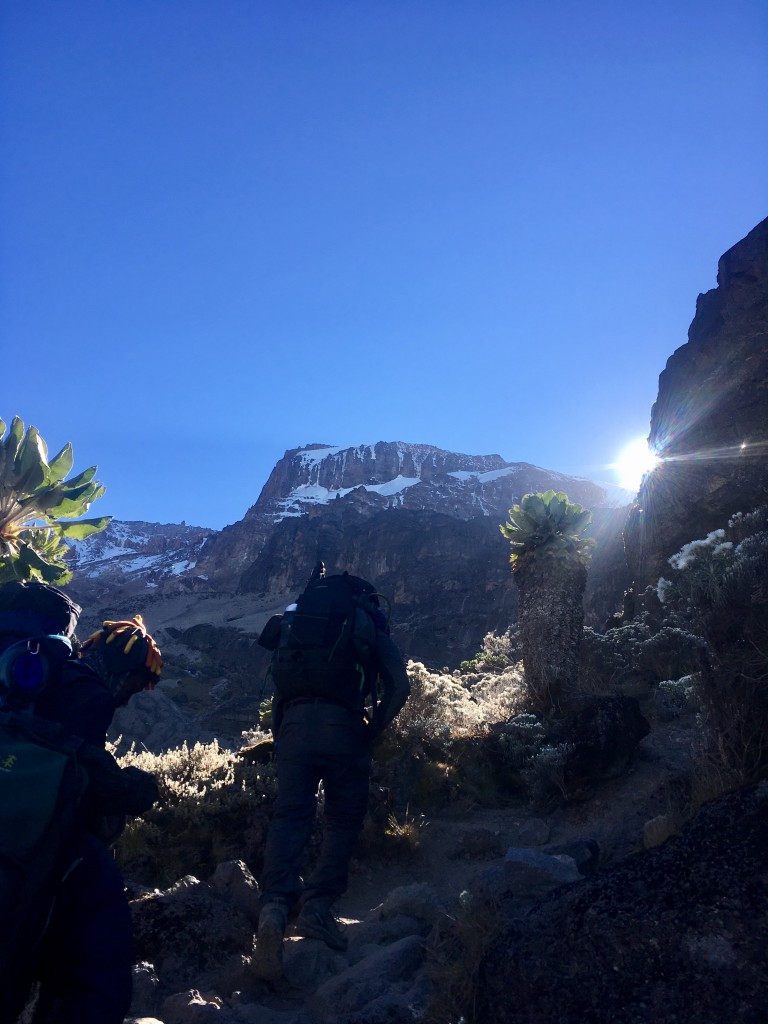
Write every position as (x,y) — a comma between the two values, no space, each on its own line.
(635,460)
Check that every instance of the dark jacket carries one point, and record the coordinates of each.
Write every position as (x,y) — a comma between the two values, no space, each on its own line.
(389,667)
(394,683)
(82,704)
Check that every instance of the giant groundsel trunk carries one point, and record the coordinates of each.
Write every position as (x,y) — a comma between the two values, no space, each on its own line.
(551,619)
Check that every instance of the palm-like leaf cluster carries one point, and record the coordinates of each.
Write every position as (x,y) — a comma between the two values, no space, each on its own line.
(547,524)
(34,496)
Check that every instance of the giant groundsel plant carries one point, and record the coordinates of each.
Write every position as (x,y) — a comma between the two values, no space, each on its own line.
(549,559)
(35,496)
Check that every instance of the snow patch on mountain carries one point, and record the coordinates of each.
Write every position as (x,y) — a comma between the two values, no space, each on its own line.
(153,551)
(315,494)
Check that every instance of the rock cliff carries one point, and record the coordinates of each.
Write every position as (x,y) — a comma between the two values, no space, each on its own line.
(421,522)
(391,476)
(709,424)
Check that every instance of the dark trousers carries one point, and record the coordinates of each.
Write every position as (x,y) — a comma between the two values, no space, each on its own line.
(87,967)
(316,741)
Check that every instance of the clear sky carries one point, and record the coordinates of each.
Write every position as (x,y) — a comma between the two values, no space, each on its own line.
(233,227)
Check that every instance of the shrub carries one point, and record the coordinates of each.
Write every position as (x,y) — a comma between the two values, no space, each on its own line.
(441,709)
(675,696)
(520,740)
(442,748)
(212,808)
(545,773)
(718,586)
(637,655)
(498,652)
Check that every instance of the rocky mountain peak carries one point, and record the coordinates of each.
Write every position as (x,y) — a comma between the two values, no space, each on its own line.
(399,474)
(131,558)
(315,472)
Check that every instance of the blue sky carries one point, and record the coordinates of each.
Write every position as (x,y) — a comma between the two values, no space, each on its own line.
(234,227)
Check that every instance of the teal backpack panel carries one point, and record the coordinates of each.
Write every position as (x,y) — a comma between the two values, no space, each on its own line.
(31,779)
(42,783)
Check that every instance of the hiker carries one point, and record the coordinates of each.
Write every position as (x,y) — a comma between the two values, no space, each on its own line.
(324,733)
(83,964)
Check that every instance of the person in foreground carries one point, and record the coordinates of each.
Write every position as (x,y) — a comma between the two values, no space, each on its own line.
(339,682)
(82,963)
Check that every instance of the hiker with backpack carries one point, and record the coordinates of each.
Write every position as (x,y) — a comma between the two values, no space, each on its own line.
(332,649)
(63,799)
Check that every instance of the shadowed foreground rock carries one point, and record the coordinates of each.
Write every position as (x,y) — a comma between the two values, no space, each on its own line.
(677,934)
(603,737)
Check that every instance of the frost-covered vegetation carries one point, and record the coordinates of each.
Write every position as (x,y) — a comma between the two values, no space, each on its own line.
(700,640)
(718,588)
(211,808)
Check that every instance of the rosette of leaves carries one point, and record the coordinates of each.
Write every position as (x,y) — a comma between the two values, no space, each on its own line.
(547,525)
(36,502)
(549,558)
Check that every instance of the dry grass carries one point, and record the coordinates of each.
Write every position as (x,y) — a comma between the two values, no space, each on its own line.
(455,952)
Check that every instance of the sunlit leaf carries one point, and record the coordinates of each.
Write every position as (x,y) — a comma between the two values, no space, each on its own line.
(36,496)
(13,440)
(61,464)
(83,528)
(82,478)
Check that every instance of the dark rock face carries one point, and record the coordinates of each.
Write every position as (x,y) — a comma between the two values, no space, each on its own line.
(121,562)
(677,933)
(710,420)
(448,579)
(389,476)
(336,469)
(432,545)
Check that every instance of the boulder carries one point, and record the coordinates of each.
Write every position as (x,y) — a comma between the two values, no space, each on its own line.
(602,737)
(233,880)
(146,984)
(531,872)
(368,980)
(479,843)
(533,832)
(418,900)
(192,935)
(192,1008)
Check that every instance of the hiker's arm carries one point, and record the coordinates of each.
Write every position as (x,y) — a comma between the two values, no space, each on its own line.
(115,790)
(394,678)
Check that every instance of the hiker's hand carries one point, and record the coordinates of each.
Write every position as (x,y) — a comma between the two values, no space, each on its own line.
(109,827)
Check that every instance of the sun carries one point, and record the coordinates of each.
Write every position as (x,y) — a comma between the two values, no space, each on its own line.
(635,460)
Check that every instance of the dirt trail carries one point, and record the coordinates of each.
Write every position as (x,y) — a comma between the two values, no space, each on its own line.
(614,816)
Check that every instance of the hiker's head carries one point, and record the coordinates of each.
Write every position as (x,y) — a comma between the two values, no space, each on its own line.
(126,657)
(29,608)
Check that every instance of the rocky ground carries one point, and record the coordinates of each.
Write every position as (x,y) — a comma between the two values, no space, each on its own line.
(200,933)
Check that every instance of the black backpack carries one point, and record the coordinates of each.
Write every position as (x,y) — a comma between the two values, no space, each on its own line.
(327,643)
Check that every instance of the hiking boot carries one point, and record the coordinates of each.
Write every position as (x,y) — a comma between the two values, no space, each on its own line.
(267,960)
(317,922)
